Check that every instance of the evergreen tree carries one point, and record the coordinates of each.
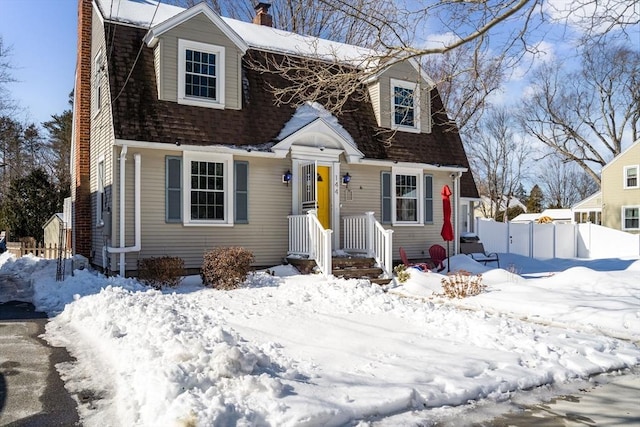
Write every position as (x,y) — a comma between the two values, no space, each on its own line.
(534,202)
(59,147)
(29,202)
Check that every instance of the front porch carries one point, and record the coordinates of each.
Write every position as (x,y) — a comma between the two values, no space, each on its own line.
(366,247)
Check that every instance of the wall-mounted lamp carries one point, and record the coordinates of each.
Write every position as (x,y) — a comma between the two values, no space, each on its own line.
(286,177)
(346,179)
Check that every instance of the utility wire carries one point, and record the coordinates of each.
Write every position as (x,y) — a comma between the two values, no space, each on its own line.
(137,56)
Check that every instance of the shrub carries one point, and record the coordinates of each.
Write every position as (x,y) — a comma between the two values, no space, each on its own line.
(226,268)
(401,273)
(462,284)
(162,271)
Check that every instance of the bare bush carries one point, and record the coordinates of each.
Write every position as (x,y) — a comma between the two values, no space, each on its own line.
(462,284)
(226,267)
(162,271)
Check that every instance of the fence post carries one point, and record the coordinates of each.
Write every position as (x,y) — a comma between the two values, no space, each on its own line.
(369,235)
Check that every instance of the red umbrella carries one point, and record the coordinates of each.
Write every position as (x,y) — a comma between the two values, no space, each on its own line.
(447,227)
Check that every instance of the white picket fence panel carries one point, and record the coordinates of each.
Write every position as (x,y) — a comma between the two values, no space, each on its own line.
(557,240)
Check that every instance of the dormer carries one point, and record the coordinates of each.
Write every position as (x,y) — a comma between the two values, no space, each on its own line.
(401,97)
(197,59)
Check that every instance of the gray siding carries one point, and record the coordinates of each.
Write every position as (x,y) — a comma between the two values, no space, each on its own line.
(266,234)
(374,96)
(365,188)
(102,137)
(198,29)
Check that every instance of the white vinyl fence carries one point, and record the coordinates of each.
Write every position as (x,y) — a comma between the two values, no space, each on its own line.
(557,240)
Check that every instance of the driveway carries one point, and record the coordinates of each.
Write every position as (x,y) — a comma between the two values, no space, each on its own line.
(31,391)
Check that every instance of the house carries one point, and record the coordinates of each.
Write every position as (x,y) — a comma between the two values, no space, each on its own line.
(618,201)
(488,206)
(588,210)
(179,145)
(557,216)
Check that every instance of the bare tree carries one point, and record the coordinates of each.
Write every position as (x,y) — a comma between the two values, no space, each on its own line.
(564,183)
(6,104)
(309,17)
(499,161)
(587,116)
(465,78)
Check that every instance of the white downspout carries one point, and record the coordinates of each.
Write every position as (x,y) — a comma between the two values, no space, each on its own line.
(456,207)
(122,250)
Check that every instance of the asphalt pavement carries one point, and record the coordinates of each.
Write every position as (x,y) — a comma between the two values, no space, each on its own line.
(31,391)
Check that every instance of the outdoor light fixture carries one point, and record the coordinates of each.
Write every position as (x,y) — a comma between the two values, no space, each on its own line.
(346,179)
(286,177)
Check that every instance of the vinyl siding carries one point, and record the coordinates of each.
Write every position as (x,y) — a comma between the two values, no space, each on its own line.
(266,234)
(403,71)
(364,195)
(198,29)
(614,195)
(102,137)
(374,96)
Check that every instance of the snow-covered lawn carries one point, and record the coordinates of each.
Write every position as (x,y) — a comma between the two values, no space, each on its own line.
(298,350)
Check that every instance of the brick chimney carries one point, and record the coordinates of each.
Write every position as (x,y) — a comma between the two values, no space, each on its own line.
(262,15)
(82,118)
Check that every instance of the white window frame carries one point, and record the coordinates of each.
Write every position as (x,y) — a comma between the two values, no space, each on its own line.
(100,178)
(219,51)
(419,196)
(626,177)
(98,73)
(624,217)
(227,161)
(416,105)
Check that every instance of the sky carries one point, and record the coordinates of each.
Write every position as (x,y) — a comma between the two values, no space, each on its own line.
(287,349)
(42,34)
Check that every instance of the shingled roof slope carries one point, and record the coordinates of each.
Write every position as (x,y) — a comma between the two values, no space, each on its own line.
(139,115)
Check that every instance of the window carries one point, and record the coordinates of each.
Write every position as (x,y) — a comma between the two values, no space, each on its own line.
(406,198)
(402,197)
(405,106)
(631,177)
(631,217)
(208,189)
(428,199)
(173,208)
(100,202)
(98,72)
(200,74)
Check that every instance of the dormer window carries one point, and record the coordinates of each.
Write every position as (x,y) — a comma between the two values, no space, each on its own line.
(405,106)
(200,74)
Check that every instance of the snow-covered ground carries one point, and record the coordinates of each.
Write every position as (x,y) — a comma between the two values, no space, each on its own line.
(289,349)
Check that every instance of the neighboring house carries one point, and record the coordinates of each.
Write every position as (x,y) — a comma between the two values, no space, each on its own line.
(588,210)
(486,206)
(53,229)
(618,200)
(557,216)
(179,146)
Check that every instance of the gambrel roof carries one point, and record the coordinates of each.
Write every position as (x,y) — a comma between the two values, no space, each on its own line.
(139,115)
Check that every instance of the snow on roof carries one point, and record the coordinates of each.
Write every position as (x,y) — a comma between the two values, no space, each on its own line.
(307,113)
(526,217)
(557,213)
(149,13)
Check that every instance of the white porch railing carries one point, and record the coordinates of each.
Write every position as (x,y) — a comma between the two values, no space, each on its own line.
(362,233)
(308,237)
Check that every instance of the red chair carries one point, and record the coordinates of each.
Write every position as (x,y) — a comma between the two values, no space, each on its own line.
(438,254)
(420,266)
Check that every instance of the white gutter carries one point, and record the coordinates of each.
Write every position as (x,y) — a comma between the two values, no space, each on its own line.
(425,166)
(122,250)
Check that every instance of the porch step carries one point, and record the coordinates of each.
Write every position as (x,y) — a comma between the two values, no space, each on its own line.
(346,267)
(358,268)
